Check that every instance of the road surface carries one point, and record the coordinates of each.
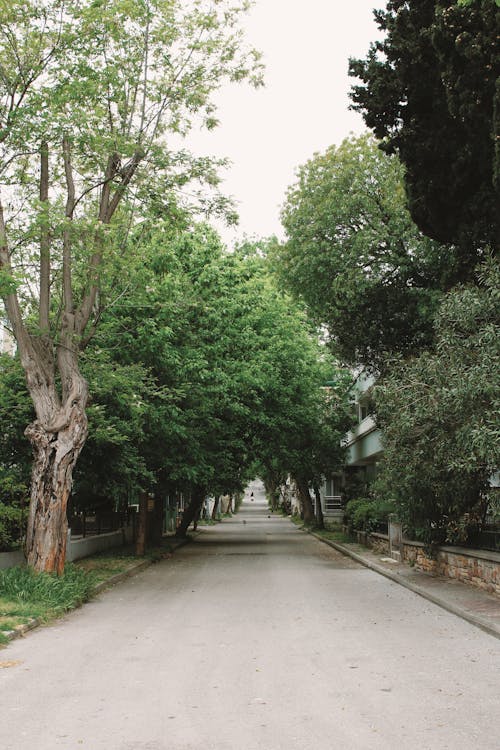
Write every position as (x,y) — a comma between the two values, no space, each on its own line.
(255,637)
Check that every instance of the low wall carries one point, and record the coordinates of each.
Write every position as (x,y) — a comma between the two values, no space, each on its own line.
(479,568)
(9,559)
(78,548)
(91,545)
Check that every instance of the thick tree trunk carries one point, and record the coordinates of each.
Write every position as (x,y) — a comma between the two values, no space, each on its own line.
(192,511)
(306,500)
(57,443)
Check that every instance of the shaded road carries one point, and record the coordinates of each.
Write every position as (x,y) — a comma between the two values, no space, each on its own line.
(255,637)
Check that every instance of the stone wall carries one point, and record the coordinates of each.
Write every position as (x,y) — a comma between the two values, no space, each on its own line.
(479,568)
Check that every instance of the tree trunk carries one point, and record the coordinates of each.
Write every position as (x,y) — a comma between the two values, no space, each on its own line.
(192,511)
(157,521)
(142,526)
(320,520)
(306,500)
(215,508)
(56,448)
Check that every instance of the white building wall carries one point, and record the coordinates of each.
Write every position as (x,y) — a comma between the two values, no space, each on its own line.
(7,342)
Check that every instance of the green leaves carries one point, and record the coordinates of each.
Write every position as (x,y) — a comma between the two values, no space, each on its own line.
(354,255)
(439,414)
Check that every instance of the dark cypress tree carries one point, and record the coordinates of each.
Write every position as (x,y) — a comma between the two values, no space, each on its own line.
(430,91)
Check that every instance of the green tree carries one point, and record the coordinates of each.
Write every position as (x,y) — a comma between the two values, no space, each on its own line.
(298,423)
(91,94)
(354,255)
(439,415)
(429,90)
(15,412)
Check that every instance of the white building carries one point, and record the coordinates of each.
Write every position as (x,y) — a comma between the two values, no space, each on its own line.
(7,341)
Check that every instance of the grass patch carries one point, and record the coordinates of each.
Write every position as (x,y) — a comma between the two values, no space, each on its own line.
(25,595)
(46,591)
(102,567)
(332,531)
(336,536)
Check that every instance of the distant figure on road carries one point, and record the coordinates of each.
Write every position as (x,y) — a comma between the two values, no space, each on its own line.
(251,496)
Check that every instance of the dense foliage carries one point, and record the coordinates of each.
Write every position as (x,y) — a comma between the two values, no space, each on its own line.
(202,373)
(439,415)
(354,255)
(429,90)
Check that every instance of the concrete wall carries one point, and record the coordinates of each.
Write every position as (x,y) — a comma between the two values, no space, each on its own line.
(91,545)
(9,559)
(78,548)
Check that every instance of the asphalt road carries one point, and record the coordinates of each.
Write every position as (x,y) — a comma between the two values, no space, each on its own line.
(255,637)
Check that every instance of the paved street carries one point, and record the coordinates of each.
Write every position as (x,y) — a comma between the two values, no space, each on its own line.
(255,637)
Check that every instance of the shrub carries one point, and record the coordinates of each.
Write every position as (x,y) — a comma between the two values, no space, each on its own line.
(367,514)
(12,526)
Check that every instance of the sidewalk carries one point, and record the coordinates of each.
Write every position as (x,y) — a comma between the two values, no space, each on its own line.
(477,607)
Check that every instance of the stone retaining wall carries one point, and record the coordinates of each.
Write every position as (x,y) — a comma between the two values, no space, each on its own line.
(479,568)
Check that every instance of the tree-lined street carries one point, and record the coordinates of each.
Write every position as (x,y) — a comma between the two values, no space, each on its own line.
(254,636)
(341,373)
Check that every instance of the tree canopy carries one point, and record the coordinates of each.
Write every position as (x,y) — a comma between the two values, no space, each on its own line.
(94,97)
(354,255)
(429,91)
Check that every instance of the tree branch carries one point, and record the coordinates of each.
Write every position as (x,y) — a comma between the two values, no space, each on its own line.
(10,299)
(44,240)
(70,207)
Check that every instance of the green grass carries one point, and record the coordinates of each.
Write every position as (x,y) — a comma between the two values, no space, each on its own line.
(332,531)
(103,567)
(25,595)
(336,536)
(48,591)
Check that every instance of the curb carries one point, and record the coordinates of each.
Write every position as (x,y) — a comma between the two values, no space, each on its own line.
(476,620)
(21,630)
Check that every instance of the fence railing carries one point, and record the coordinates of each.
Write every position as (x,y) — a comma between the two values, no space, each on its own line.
(332,502)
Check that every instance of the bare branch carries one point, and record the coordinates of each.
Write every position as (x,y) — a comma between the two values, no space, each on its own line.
(145,78)
(127,172)
(10,299)
(70,207)
(44,240)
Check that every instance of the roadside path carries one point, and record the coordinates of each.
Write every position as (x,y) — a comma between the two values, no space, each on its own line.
(478,607)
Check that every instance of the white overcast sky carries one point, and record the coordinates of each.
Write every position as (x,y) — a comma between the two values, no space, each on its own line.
(267,133)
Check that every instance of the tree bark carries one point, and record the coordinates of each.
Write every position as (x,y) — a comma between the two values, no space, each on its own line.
(320,520)
(57,441)
(192,511)
(215,508)
(306,500)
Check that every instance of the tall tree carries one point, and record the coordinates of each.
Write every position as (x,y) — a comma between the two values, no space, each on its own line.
(355,257)
(430,92)
(90,93)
